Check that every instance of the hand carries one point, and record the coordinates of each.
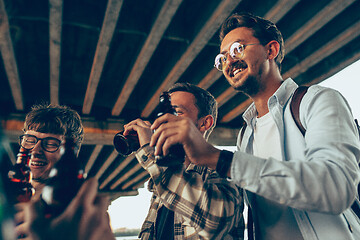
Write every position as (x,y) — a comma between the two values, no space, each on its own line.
(20,220)
(85,218)
(142,128)
(170,129)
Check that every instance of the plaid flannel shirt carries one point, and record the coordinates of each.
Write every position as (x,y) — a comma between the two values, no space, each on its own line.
(205,205)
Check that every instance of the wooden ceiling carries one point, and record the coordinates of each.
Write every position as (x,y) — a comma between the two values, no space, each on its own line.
(110,60)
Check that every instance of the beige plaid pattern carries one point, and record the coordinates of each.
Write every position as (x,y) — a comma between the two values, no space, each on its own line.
(206,206)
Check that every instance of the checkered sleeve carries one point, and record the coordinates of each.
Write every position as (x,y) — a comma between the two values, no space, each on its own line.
(211,205)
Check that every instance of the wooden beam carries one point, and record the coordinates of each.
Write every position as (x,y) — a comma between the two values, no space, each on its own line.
(315,23)
(106,34)
(163,20)
(95,153)
(326,50)
(100,132)
(116,194)
(210,78)
(212,25)
(107,163)
(280,9)
(226,96)
(138,185)
(237,111)
(132,181)
(125,176)
(55,27)
(336,69)
(9,60)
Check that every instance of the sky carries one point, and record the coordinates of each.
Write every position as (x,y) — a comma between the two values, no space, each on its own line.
(130,212)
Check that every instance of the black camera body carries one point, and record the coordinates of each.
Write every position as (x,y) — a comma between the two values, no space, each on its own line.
(125,145)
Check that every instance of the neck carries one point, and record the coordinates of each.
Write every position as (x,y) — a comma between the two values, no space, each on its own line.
(38,186)
(262,97)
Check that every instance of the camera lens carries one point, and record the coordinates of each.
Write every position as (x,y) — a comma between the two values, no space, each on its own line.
(125,145)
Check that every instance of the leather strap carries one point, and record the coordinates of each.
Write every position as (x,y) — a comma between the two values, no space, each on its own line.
(295,106)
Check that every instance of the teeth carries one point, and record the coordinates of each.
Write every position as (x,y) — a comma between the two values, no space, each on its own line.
(38,163)
(238,70)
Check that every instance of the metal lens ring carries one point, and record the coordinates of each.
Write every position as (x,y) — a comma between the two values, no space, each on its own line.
(236,50)
(220,61)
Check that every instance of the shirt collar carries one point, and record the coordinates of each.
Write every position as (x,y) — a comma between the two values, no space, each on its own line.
(281,96)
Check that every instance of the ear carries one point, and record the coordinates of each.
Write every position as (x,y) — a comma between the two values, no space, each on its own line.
(206,123)
(273,49)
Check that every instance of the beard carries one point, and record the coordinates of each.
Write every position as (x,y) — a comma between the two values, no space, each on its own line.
(250,86)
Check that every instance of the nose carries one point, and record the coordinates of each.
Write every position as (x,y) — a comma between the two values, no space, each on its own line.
(37,147)
(229,60)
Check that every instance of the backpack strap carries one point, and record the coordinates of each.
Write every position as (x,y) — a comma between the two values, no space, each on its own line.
(295,107)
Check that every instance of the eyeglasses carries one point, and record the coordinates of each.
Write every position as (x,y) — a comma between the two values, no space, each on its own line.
(49,144)
(236,53)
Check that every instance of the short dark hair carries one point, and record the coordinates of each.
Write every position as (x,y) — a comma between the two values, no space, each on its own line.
(263,29)
(55,119)
(204,101)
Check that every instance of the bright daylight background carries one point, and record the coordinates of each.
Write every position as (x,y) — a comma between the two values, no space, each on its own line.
(130,212)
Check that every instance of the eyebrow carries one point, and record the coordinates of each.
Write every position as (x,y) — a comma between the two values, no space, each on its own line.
(180,106)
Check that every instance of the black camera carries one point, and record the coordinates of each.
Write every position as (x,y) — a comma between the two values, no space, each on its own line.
(125,145)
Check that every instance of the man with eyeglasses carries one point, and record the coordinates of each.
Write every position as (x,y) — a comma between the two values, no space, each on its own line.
(45,129)
(298,187)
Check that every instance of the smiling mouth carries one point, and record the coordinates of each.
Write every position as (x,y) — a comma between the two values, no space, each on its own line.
(236,71)
(38,163)
(237,68)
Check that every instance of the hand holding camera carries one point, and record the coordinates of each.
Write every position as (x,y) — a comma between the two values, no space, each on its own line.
(137,133)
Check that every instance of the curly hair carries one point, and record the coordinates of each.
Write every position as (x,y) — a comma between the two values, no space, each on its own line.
(55,119)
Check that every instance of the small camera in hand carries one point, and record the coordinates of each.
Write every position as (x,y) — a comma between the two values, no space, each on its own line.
(125,145)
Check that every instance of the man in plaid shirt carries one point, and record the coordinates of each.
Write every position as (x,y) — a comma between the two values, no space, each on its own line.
(189,201)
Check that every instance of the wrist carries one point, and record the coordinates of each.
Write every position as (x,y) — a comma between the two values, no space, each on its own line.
(224,163)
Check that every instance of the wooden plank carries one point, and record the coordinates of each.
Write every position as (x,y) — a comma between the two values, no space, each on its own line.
(336,69)
(125,176)
(9,60)
(210,78)
(106,34)
(326,50)
(113,195)
(55,27)
(164,18)
(236,111)
(315,23)
(280,9)
(132,181)
(226,96)
(95,153)
(106,164)
(212,25)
